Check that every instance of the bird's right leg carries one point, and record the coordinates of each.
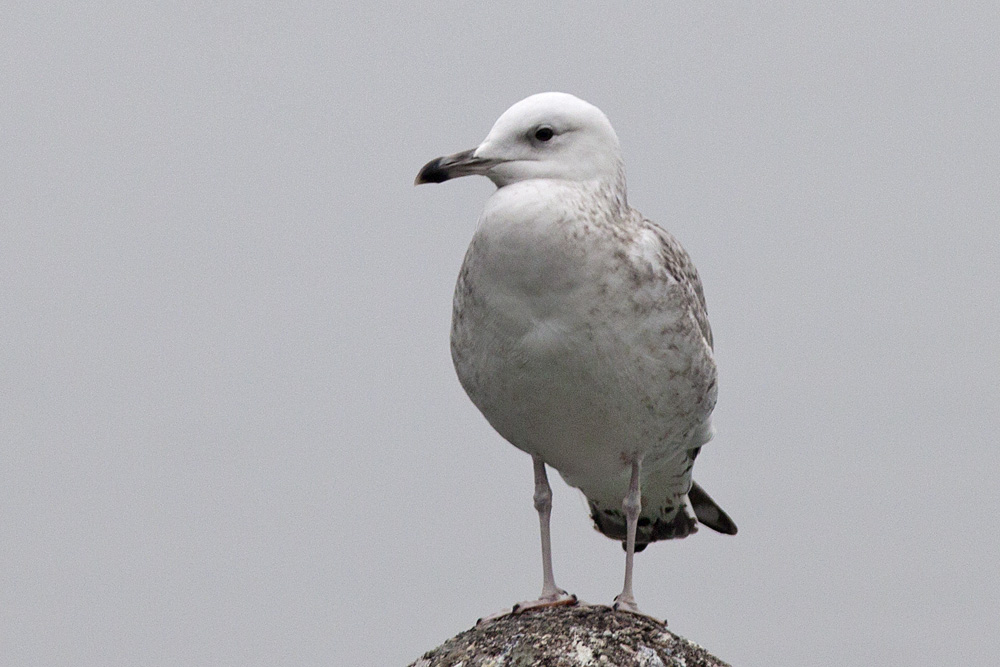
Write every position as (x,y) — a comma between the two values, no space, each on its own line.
(551,595)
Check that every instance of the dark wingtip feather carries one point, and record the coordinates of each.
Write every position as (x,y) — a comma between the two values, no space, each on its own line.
(709,512)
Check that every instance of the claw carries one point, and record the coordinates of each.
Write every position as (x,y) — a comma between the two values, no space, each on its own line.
(560,599)
(629,606)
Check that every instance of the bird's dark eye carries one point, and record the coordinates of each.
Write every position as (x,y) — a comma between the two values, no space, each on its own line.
(544,133)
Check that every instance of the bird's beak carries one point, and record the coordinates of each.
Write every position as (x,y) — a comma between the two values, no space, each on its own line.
(445,168)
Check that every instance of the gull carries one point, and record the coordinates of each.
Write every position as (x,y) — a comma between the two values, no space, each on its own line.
(580,331)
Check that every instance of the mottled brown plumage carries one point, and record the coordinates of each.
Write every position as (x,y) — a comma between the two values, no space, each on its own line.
(580,329)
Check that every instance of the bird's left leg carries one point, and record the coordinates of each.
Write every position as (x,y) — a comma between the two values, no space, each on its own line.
(632,505)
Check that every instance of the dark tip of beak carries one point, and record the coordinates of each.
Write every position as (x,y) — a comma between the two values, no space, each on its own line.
(432,172)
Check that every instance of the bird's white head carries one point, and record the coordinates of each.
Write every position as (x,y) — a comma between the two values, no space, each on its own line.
(548,135)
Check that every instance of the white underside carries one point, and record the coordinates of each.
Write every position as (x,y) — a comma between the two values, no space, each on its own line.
(571,356)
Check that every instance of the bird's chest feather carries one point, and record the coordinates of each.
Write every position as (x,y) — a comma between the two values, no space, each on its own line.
(535,280)
(548,305)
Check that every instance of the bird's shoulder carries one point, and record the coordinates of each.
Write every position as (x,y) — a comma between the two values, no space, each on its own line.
(672,259)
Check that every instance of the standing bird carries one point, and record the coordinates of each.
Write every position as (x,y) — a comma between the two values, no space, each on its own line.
(580,332)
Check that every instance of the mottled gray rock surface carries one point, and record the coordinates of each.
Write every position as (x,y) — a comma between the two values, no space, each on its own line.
(568,637)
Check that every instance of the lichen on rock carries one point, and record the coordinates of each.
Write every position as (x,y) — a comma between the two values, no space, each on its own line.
(568,637)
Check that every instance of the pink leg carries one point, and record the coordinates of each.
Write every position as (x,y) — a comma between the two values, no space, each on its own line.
(551,595)
(543,505)
(632,505)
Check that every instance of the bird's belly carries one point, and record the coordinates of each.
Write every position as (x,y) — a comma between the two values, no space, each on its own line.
(582,388)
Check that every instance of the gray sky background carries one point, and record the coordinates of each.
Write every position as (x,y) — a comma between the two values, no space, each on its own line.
(231,432)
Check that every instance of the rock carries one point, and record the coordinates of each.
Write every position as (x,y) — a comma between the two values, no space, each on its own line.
(569,637)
